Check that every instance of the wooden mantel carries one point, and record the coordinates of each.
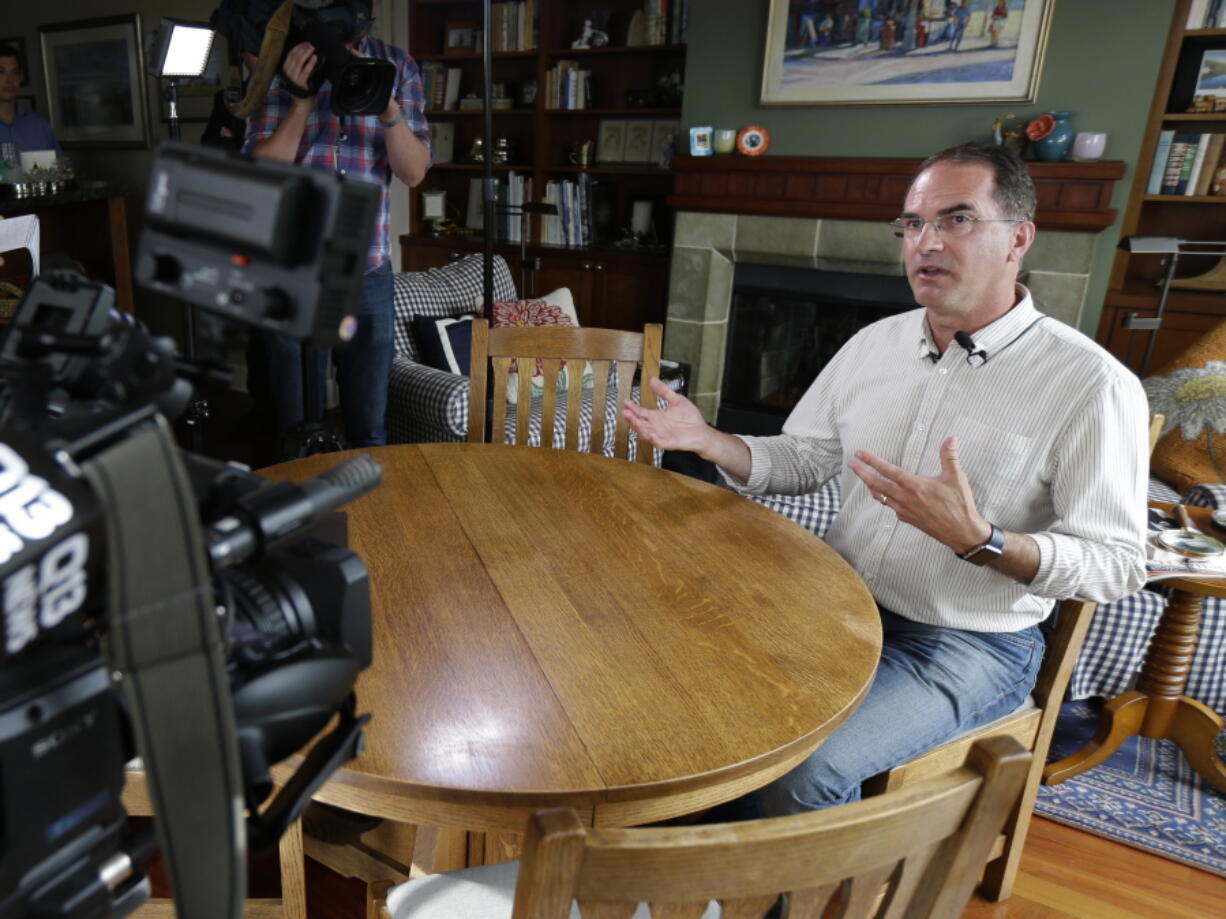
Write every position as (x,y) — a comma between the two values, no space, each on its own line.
(1072,196)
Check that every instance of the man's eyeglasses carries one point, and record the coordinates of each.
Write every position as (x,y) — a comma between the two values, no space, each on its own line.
(952,225)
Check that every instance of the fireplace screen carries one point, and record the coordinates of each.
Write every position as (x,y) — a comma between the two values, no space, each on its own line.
(786,324)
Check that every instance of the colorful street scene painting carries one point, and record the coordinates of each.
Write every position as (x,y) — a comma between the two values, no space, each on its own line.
(894,51)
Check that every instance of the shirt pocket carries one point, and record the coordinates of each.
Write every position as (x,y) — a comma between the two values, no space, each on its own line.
(995,460)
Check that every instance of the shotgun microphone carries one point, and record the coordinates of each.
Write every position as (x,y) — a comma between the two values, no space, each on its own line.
(968,345)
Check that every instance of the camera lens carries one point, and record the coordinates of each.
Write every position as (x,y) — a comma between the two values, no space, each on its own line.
(271,612)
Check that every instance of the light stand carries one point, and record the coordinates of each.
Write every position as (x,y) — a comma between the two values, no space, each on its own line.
(1172,248)
(523,210)
(183,51)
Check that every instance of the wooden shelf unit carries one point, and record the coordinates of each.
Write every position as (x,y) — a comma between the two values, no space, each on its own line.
(542,140)
(1135,284)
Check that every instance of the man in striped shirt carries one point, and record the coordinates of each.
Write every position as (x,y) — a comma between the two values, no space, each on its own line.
(296,127)
(992,461)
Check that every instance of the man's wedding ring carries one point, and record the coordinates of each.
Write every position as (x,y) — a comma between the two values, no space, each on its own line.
(883,498)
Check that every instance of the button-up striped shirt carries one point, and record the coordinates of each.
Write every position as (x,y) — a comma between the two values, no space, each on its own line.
(1051,434)
(350,145)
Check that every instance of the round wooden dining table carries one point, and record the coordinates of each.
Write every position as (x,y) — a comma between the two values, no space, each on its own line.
(556,628)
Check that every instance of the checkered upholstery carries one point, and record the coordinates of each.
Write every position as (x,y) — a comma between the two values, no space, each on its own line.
(425,405)
(1120,631)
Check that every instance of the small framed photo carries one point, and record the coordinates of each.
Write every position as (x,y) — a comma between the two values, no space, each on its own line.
(700,141)
(663,141)
(638,142)
(460,35)
(1211,76)
(611,141)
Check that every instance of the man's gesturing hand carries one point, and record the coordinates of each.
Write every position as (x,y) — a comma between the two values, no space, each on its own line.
(677,426)
(941,506)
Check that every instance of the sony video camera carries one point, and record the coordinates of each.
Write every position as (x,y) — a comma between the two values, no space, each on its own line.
(270,28)
(159,602)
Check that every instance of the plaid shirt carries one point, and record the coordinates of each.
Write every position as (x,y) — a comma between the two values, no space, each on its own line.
(350,145)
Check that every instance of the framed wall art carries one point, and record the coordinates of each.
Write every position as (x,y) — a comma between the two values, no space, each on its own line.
(19,43)
(926,51)
(95,77)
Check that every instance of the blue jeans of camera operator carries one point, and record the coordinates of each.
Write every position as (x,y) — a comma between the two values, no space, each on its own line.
(362,368)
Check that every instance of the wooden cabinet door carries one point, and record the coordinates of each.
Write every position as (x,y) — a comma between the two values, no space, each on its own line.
(629,294)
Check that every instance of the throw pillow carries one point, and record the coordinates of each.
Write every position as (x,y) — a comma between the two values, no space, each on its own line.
(1191,392)
(446,343)
(556,308)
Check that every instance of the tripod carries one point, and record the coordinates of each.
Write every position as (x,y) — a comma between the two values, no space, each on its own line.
(309,436)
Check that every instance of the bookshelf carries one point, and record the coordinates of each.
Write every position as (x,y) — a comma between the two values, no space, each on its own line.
(540,116)
(1134,284)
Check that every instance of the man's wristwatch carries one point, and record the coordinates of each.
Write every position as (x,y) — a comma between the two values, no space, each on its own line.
(993,548)
(396,119)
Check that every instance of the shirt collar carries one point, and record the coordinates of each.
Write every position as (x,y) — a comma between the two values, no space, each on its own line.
(993,335)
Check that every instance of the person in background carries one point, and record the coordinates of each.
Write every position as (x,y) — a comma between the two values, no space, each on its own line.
(18,125)
(992,461)
(296,127)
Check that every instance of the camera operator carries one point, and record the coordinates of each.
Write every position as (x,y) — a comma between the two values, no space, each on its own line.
(297,127)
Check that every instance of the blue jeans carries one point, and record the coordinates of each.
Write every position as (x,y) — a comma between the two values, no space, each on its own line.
(931,685)
(362,368)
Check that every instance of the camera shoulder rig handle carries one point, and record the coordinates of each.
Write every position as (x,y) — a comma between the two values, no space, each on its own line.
(275,33)
(342,744)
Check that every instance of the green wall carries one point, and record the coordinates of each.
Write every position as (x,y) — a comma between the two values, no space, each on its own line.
(1102,61)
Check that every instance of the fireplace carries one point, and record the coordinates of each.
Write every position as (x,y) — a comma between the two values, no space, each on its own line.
(829,215)
(785,325)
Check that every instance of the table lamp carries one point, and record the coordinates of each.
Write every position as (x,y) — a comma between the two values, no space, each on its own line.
(182,51)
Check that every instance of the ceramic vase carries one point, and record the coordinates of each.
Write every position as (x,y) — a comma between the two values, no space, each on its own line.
(1055,146)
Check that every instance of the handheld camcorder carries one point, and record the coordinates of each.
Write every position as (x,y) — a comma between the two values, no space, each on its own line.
(162,603)
(270,28)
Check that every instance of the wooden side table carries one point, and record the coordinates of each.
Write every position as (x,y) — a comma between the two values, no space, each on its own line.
(1158,708)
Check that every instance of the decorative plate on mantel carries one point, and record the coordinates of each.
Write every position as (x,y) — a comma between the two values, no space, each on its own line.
(753,140)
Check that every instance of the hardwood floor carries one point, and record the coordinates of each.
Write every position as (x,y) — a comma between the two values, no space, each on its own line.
(1065,874)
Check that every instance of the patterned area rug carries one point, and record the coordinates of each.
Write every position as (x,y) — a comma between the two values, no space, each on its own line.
(1145,796)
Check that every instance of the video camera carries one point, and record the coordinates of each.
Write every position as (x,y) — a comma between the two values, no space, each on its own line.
(269,28)
(160,602)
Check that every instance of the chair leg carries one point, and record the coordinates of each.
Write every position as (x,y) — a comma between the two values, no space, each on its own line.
(999,875)
(293,873)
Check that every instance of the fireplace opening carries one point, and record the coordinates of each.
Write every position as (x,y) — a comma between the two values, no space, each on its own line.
(785,325)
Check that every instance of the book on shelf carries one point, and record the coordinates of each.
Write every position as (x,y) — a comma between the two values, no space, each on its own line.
(1206,14)
(1159,165)
(1179,163)
(451,95)
(1202,149)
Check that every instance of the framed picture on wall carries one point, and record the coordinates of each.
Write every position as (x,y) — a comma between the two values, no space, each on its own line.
(19,43)
(95,77)
(935,51)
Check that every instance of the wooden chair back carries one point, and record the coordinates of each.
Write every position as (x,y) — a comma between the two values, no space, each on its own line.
(1031,727)
(610,352)
(923,845)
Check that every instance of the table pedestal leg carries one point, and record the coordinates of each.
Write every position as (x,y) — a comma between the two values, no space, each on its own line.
(1120,719)
(1157,708)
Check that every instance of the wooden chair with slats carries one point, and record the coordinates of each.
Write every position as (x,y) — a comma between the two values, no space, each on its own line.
(916,852)
(1032,726)
(611,353)
(292,903)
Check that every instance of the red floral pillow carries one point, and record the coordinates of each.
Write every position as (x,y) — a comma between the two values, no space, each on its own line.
(555,309)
